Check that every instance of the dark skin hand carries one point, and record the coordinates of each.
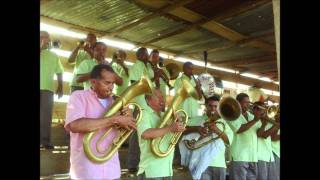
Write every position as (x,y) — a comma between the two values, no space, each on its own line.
(265,133)
(59,90)
(248,125)
(216,130)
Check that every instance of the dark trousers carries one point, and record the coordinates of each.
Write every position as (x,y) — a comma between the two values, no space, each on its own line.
(46,106)
(243,170)
(133,157)
(214,173)
(143,177)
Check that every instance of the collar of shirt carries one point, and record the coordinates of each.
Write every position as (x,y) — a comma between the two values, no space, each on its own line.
(94,94)
(150,110)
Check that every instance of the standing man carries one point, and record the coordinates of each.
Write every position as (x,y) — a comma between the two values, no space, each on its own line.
(265,156)
(152,167)
(161,75)
(85,113)
(244,147)
(275,144)
(121,69)
(84,69)
(82,52)
(49,65)
(190,105)
(140,67)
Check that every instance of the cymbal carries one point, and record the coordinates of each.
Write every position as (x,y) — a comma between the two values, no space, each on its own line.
(173,70)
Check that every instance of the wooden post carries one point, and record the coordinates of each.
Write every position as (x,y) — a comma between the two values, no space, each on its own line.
(276,15)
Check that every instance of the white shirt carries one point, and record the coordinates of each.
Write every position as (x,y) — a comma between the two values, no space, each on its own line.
(103,102)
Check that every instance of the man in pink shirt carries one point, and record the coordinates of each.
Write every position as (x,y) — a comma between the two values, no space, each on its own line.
(85,112)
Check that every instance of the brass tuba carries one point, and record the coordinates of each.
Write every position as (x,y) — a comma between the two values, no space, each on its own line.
(229,109)
(186,90)
(140,87)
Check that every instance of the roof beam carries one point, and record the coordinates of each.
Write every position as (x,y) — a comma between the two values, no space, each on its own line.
(214,26)
(156,13)
(232,44)
(243,7)
(246,61)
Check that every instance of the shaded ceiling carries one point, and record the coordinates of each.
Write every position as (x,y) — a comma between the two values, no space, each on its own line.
(237,32)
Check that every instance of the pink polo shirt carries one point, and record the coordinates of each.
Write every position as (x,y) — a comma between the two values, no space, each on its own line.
(86,104)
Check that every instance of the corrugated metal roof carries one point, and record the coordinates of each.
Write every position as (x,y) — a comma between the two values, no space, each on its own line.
(150,29)
(256,20)
(105,15)
(191,40)
(110,15)
(235,53)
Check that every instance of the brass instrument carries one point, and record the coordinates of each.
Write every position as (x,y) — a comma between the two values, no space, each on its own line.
(186,90)
(173,70)
(194,144)
(142,86)
(229,109)
(158,70)
(270,113)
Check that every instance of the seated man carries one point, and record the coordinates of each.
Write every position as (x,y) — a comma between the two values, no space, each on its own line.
(214,167)
(85,113)
(152,167)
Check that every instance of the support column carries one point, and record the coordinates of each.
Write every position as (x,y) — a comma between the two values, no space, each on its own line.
(276,17)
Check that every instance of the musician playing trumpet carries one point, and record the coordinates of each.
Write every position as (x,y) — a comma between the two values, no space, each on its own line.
(206,125)
(161,75)
(265,155)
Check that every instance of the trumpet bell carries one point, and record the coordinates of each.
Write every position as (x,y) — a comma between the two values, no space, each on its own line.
(272,111)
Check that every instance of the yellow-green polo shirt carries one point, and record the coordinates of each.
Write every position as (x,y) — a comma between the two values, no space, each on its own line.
(135,73)
(276,146)
(244,146)
(152,165)
(49,65)
(265,147)
(81,56)
(86,67)
(190,105)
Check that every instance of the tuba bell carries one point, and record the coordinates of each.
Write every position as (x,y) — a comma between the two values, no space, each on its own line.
(142,86)
(186,90)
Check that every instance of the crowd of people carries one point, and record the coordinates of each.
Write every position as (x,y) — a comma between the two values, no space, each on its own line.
(253,141)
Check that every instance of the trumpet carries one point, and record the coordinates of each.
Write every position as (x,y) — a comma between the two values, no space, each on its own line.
(187,90)
(158,70)
(270,112)
(142,86)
